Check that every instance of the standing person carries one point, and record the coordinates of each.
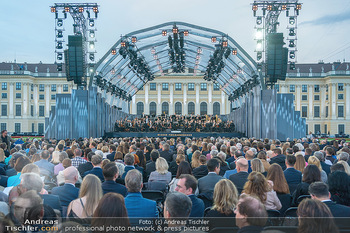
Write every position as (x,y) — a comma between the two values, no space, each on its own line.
(6,139)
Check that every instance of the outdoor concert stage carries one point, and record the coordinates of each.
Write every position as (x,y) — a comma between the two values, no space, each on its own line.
(172,134)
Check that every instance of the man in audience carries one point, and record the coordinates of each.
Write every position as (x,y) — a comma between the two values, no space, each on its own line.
(111,173)
(207,183)
(308,153)
(77,159)
(337,167)
(136,205)
(279,158)
(241,177)
(202,170)
(251,215)
(132,149)
(236,155)
(187,184)
(23,204)
(319,191)
(166,154)
(330,156)
(112,150)
(249,155)
(82,168)
(46,168)
(93,146)
(151,166)
(96,161)
(292,175)
(232,155)
(129,161)
(321,157)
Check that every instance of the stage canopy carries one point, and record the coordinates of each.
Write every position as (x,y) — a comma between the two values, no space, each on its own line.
(170,49)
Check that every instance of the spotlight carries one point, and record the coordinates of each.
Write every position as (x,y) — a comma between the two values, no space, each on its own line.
(95,9)
(284,7)
(213,39)
(255,7)
(81,9)
(224,44)
(185,33)
(53,9)
(164,33)
(292,66)
(123,44)
(234,51)
(59,45)
(175,30)
(292,32)
(258,20)
(133,39)
(259,56)
(92,45)
(114,52)
(269,7)
(298,7)
(291,44)
(59,23)
(92,34)
(66,9)
(291,20)
(59,67)
(259,45)
(292,54)
(259,34)
(91,69)
(259,67)
(92,57)
(59,34)
(91,22)
(59,56)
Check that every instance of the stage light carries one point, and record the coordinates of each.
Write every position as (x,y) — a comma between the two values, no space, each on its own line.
(284,7)
(259,67)
(91,22)
(155,57)
(59,34)
(199,50)
(59,56)
(291,20)
(269,7)
(224,44)
(53,9)
(259,56)
(234,51)
(92,45)
(81,9)
(292,66)
(198,57)
(164,33)
(259,34)
(291,44)
(292,32)
(59,23)
(185,33)
(92,34)
(213,39)
(175,30)
(255,7)
(123,44)
(259,45)
(258,20)
(298,7)
(59,67)
(153,51)
(133,39)
(91,69)
(66,9)
(95,9)
(114,52)
(92,57)
(59,45)
(292,54)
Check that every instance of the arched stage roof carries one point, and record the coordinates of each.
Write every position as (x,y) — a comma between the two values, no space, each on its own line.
(170,48)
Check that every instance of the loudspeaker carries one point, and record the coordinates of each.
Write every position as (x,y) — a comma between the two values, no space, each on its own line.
(277,57)
(75,59)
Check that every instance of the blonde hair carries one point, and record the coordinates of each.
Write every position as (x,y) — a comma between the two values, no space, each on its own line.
(2,155)
(31,167)
(105,149)
(55,157)
(91,188)
(61,142)
(257,165)
(225,196)
(315,161)
(162,165)
(195,159)
(346,166)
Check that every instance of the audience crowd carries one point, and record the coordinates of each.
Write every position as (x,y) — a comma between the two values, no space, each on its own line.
(240,183)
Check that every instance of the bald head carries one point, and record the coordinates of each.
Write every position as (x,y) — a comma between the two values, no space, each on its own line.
(242,165)
(249,155)
(70,175)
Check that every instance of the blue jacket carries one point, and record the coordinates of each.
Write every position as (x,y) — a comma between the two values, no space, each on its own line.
(97,171)
(52,200)
(112,186)
(293,176)
(139,207)
(129,168)
(66,193)
(197,207)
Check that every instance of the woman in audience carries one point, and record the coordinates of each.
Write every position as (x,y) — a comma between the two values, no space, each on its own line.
(175,164)
(263,157)
(205,149)
(89,196)
(315,216)
(184,168)
(258,185)
(59,167)
(300,164)
(105,216)
(161,174)
(339,187)
(315,161)
(311,174)
(55,157)
(104,162)
(35,158)
(195,159)
(276,175)
(105,151)
(346,166)
(20,163)
(147,151)
(142,159)
(258,166)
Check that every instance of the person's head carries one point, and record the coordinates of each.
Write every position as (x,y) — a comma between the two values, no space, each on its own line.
(31,167)
(242,165)
(337,167)
(290,160)
(21,162)
(213,166)
(4,133)
(311,174)
(315,216)
(300,162)
(344,156)
(261,155)
(177,205)
(276,175)
(161,165)
(31,181)
(67,163)
(91,188)
(154,155)
(330,151)
(187,184)
(257,165)
(45,154)
(24,203)
(71,175)
(249,155)
(320,156)
(276,151)
(345,165)
(315,161)
(110,171)
(56,157)
(183,168)
(77,152)
(180,158)
(133,181)
(60,147)
(225,197)
(319,190)
(257,185)
(166,147)
(96,160)
(129,159)
(250,211)
(202,160)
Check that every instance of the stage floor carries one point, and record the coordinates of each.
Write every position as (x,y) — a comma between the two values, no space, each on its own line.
(172,134)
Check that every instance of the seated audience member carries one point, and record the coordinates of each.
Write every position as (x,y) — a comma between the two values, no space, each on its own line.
(221,156)
(311,174)
(187,184)
(257,166)
(46,168)
(339,187)
(77,159)
(111,173)
(330,155)
(241,177)
(112,151)
(315,216)
(89,195)
(300,163)
(61,156)
(337,167)
(175,164)
(278,157)
(276,175)
(314,160)
(19,165)
(161,174)
(105,216)
(60,177)
(321,156)
(292,175)
(136,205)
(258,185)
(202,170)
(319,191)
(166,154)
(207,183)
(22,205)
(96,161)
(184,168)
(129,161)
(225,199)
(82,168)
(68,192)
(195,159)
(346,166)
(251,215)
(55,160)
(151,166)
